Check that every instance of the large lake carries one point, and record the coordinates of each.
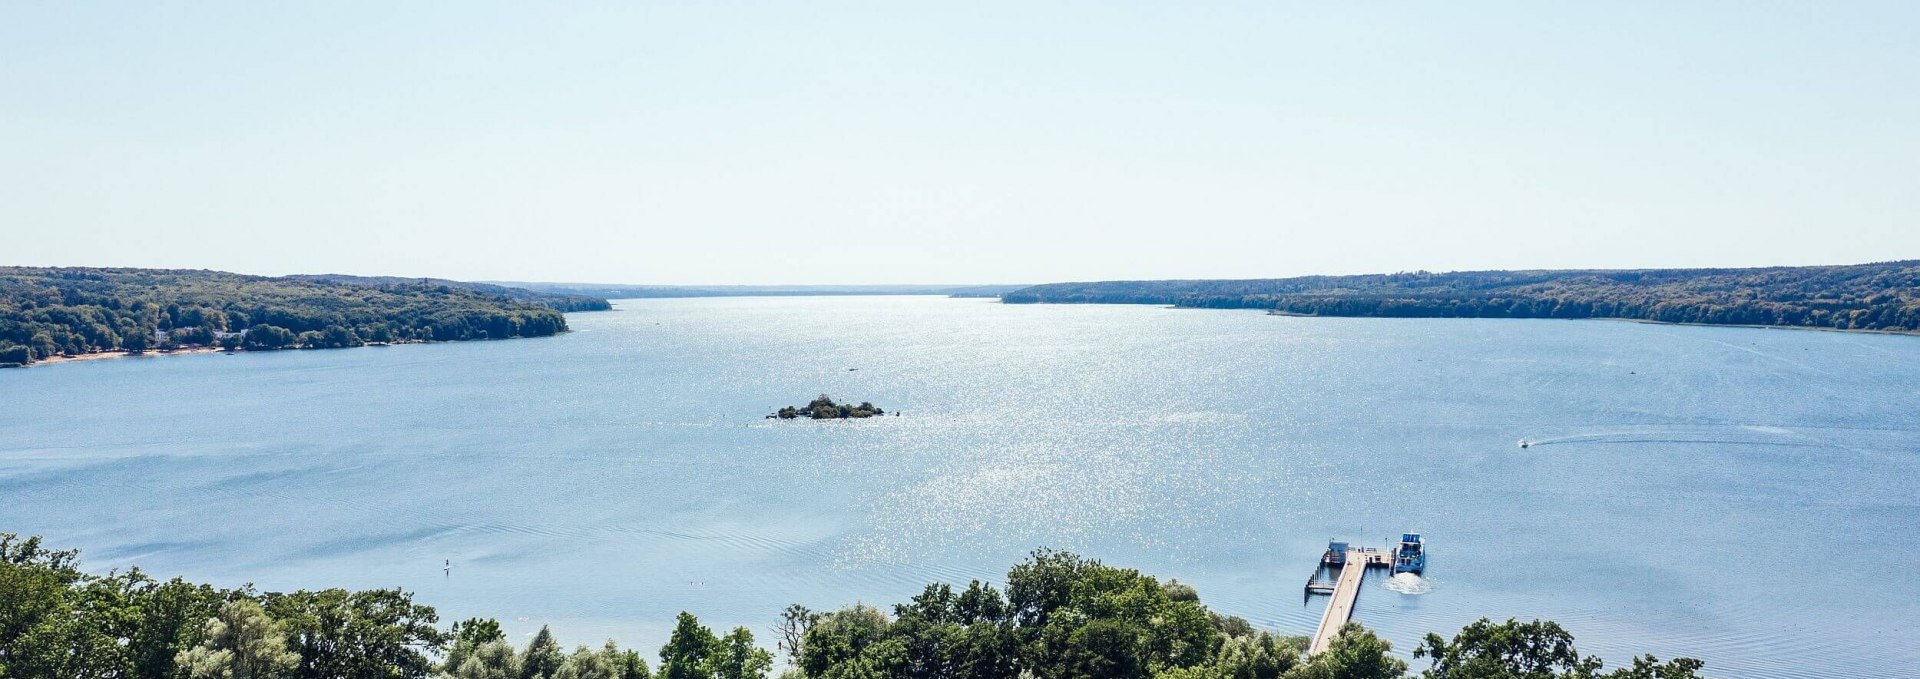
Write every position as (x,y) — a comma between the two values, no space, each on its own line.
(1744,496)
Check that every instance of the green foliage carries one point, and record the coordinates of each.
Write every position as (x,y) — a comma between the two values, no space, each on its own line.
(563,302)
(192,336)
(467,637)
(1649,667)
(490,657)
(1880,296)
(355,635)
(242,643)
(1539,649)
(736,657)
(542,659)
(1105,648)
(1509,650)
(49,312)
(1257,655)
(688,651)
(12,355)
(265,337)
(1355,653)
(837,643)
(1063,617)
(58,622)
(822,407)
(693,652)
(608,662)
(467,641)
(487,660)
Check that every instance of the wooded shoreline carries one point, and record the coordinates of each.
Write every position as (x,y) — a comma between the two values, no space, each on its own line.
(1883,296)
(65,314)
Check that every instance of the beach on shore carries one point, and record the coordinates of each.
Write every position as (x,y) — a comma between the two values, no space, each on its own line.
(99,355)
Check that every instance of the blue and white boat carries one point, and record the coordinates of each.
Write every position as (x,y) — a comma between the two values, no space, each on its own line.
(1411,556)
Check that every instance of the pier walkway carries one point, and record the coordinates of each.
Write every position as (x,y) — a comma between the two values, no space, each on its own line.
(1345,590)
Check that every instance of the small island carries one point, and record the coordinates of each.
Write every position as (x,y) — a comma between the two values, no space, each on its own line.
(823,408)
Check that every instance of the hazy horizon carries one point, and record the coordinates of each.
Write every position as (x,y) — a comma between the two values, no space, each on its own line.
(907,284)
(841,144)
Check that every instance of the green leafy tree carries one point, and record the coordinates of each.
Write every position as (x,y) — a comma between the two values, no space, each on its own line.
(265,337)
(468,635)
(688,652)
(488,660)
(608,662)
(1649,667)
(35,601)
(1106,648)
(368,634)
(736,657)
(241,643)
(632,666)
(1356,653)
(1256,655)
(339,336)
(543,657)
(1508,650)
(136,339)
(167,617)
(841,638)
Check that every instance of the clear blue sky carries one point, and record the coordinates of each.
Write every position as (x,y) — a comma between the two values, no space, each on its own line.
(965,142)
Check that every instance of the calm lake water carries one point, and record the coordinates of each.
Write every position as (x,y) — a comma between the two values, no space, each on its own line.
(1744,496)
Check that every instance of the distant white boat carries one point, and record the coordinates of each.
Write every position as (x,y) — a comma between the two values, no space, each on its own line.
(1523,443)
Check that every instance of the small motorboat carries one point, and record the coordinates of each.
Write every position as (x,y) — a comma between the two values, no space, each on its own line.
(1523,443)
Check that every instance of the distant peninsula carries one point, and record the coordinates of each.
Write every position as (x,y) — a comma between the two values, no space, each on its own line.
(1882,296)
(54,313)
(822,407)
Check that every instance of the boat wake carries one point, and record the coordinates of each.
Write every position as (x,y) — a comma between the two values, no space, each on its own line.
(1408,583)
(1671,438)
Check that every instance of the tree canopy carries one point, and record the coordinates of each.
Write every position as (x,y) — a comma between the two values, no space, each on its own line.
(1060,616)
(823,407)
(51,312)
(1880,296)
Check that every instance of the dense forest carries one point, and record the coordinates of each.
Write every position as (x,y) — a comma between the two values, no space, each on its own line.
(71,311)
(563,302)
(1881,296)
(1060,616)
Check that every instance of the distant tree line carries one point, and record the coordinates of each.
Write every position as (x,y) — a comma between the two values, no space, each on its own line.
(1880,296)
(53,312)
(1060,616)
(557,301)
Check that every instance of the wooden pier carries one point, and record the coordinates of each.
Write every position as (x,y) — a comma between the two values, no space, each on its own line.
(1353,564)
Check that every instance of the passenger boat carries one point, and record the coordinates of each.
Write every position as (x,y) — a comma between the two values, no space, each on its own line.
(1411,556)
